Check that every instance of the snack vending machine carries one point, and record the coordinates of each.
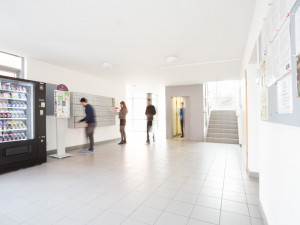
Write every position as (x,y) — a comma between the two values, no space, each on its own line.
(22,123)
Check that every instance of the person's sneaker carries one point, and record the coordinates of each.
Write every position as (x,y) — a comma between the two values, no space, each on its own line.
(125,142)
(122,142)
(147,142)
(91,150)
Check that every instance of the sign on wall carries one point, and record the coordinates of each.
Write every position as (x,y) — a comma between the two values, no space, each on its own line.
(61,104)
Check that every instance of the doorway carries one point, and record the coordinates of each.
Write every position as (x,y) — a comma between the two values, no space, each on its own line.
(177,103)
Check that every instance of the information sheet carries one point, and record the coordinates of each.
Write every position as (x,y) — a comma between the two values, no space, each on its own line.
(280,51)
(285,95)
(264,110)
(62,104)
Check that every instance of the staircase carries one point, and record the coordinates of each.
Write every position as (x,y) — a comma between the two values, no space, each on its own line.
(223,127)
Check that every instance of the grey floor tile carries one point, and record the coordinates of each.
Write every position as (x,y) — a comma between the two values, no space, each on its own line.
(180,208)
(197,222)
(146,215)
(209,202)
(206,214)
(134,184)
(235,207)
(228,218)
(255,221)
(169,218)
(254,211)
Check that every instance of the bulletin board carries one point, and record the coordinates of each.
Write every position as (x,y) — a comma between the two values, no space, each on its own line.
(62,104)
(279,55)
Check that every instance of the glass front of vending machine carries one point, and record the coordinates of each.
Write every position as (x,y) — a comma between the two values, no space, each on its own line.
(16,111)
(22,123)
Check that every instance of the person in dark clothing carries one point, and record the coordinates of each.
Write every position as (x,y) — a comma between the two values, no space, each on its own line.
(90,122)
(150,112)
(182,119)
(122,115)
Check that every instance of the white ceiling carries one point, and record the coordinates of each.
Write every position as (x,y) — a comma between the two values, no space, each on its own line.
(134,35)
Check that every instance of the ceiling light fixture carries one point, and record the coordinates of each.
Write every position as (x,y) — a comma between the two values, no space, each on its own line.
(107,65)
(171,59)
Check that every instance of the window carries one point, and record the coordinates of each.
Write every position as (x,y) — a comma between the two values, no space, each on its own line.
(136,104)
(223,95)
(11,65)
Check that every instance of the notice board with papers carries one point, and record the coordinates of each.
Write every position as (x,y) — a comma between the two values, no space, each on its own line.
(279,69)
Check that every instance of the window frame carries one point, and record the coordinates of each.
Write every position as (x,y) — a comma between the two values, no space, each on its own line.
(19,72)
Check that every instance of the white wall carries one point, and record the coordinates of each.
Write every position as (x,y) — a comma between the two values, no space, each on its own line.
(79,82)
(279,152)
(253,119)
(195,94)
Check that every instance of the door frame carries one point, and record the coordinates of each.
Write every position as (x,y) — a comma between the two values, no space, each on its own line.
(246,102)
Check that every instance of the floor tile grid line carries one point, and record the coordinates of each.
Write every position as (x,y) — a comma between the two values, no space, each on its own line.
(50,209)
(93,198)
(43,211)
(120,199)
(164,210)
(149,206)
(201,190)
(223,189)
(241,166)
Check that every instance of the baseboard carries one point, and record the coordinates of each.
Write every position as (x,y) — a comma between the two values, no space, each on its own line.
(262,212)
(75,147)
(253,174)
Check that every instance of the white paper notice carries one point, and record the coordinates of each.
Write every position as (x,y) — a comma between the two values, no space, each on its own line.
(281,54)
(285,95)
(297,29)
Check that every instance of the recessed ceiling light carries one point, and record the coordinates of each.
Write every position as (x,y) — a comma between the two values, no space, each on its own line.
(107,65)
(171,59)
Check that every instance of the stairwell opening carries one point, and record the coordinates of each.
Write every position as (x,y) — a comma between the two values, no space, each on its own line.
(221,107)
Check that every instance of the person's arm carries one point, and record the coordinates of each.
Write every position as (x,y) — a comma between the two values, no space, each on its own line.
(154,111)
(82,120)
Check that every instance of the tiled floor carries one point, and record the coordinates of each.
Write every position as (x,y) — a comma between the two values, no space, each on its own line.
(170,182)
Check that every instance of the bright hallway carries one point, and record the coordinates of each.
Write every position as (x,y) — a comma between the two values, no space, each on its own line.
(170,182)
(85,84)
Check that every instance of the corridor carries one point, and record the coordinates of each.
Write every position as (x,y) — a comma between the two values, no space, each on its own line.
(170,182)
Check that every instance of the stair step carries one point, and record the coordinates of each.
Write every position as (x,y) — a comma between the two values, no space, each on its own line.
(223,135)
(222,140)
(222,117)
(221,130)
(222,122)
(223,126)
(229,112)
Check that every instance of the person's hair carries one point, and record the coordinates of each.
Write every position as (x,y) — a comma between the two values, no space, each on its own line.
(83,100)
(182,103)
(124,104)
(149,99)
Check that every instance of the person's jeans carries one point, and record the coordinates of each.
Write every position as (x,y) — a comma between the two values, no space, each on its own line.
(182,126)
(149,129)
(90,134)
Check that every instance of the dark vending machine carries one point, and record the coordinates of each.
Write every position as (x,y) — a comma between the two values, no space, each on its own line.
(22,123)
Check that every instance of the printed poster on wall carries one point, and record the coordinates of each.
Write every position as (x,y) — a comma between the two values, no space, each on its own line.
(62,104)
(264,111)
(285,95)
(281,52)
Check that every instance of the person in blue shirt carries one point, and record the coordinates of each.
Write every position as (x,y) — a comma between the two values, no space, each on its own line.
(90,122)
(182,119)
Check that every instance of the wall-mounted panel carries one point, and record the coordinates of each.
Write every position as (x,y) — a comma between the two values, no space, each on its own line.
(104,108)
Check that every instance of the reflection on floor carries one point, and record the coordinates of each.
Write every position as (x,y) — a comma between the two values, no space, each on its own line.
(170,182)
